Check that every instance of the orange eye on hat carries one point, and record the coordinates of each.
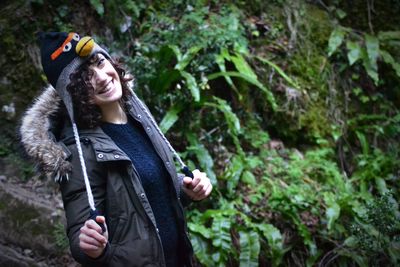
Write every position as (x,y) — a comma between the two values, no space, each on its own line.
(66,46)
(63,53)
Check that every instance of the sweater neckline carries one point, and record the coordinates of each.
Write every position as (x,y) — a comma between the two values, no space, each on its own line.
(114,124)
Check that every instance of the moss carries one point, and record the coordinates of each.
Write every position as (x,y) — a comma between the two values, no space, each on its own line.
(18,213)
(319,26)
(306,120)
(30,225)
(316,121)
(309,70)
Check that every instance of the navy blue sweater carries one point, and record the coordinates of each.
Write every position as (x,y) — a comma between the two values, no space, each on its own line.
(155,179)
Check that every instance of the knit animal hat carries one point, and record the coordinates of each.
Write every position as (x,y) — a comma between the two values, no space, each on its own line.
(63,53)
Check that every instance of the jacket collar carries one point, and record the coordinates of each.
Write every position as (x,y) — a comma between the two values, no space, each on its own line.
(104,147)
(51,155)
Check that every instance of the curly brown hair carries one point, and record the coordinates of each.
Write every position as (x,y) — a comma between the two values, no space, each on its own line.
(87,113)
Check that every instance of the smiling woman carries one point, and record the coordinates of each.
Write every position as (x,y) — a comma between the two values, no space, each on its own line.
(99,89)
(105,81)
(122,170)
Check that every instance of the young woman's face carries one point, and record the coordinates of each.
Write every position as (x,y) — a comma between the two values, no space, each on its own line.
(105,81)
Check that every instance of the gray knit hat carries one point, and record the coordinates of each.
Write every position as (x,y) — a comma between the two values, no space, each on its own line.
(62,53)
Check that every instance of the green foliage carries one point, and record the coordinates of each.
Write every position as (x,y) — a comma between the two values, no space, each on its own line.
(268,203)
(336,40)
(170,118)
(375,236)
(203,156)
(365,47)
(291,112)
(216,239)
(195,28)
(275,242)
(98,6)
(280,71)
(250,248)
(60,236)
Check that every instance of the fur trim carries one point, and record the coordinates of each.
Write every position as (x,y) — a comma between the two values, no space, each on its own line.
(36,139)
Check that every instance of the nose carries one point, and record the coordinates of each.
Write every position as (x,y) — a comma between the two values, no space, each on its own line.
(99,77)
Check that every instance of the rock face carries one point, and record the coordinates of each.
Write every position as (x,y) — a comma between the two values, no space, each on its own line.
(31,225)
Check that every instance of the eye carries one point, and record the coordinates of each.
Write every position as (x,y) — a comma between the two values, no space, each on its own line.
(76,37)
(67,47)
(100,62)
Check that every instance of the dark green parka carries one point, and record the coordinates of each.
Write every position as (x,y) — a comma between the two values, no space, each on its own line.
(118,194)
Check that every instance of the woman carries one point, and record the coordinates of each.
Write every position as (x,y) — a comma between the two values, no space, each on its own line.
(122,167)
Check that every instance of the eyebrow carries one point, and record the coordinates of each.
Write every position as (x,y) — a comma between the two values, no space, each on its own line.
(61,48)
(94,59)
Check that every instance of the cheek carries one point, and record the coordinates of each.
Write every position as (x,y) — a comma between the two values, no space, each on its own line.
(119,92)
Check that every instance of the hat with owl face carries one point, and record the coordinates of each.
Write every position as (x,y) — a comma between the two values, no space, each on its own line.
(63,53)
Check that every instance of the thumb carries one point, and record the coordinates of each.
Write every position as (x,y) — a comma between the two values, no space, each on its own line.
(100,219)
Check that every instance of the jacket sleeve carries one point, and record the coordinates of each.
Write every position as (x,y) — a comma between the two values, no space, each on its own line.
(76,203)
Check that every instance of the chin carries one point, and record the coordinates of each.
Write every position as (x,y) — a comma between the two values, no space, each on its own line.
(116,96)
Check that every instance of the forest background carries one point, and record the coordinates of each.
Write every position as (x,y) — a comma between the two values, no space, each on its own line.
(291,107)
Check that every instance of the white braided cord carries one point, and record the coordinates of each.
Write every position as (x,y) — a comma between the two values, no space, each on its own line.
(83,166)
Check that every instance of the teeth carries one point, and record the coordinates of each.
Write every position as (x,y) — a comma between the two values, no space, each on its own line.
(105,89)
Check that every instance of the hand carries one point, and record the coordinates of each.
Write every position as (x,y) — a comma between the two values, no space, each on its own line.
(199,187)
(91,239)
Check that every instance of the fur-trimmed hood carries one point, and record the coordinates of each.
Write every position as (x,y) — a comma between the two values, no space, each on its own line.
(37,139)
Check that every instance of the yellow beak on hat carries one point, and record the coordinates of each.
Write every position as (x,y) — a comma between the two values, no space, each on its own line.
(85,46)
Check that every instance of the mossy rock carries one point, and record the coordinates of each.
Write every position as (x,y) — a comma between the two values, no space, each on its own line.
(28,221)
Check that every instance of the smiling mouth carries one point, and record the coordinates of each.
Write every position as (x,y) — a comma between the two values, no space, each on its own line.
(106,88)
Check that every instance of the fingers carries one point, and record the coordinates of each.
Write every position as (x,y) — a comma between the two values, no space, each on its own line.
(95,225)
(89,243)
(91,233)
(92,240)
(87,248)
(101,221)
(187,181)
(192,182)
(204,192)
(199,187)
(200,183)
(208,190)
(197,178)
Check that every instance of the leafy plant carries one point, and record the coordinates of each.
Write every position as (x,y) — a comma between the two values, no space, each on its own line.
(293,116)
(376,235)
(365,47)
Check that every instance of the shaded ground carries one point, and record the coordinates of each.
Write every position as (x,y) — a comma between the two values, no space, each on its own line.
(31,221)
